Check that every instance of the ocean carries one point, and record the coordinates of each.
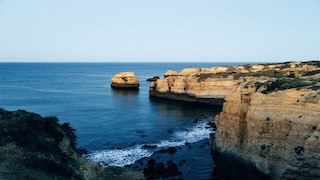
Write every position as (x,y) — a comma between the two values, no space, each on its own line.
(113,125)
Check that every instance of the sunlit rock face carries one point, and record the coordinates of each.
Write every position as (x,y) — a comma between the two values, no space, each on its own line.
(212,85)
(125,80)
(277,132)
(270,117)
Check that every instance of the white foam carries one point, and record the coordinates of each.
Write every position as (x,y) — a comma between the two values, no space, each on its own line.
(197,133)
(122,157)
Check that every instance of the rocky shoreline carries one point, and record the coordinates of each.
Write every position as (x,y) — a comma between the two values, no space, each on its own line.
(179,162)
(270,118)
(35,147)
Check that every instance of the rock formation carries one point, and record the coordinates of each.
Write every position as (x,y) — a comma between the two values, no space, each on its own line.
(154,78)
(211,85)
(274,124)
(125,80)
(277,132)
(270,118)
(36,147)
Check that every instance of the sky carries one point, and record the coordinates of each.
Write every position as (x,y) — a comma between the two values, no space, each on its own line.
(159,30)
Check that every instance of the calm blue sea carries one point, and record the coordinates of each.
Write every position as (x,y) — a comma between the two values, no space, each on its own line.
(111,125)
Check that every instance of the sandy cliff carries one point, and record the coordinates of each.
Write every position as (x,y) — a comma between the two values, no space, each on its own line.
(125,80)
(277,132)
(212,85)
(270,118)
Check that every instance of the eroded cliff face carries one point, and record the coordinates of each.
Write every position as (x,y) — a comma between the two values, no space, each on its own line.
(273,124)
(125,80)
(277,132)
(270,118)
(212,85)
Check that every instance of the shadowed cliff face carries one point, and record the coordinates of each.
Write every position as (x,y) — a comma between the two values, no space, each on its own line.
(270,117)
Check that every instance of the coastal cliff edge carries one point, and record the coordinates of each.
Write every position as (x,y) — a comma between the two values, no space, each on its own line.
(270,118)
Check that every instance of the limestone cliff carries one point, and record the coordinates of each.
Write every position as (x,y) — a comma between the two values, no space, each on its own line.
(270,117)
(277,132)
(274,124)
(212,85)
(125,80)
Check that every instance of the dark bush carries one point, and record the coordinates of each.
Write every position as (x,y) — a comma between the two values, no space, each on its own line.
(268,73)
(310,73)
(36,142)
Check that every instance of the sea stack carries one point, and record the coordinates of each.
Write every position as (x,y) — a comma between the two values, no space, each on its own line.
(125,80)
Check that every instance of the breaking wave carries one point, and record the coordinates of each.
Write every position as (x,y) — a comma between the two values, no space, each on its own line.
(127,156)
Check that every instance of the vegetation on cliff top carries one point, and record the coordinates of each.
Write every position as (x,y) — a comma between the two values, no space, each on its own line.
(279,76)
(35,147)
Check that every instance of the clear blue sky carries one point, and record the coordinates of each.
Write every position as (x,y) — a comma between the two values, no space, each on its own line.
(159,30)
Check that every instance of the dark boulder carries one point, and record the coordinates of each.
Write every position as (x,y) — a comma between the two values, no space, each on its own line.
(171,150)
(172,169)
(154,78)
(170,131)
(149,146)
(156,170)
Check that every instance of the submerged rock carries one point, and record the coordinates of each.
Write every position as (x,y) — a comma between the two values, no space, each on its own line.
(170,131)
(125,80)
(158,170)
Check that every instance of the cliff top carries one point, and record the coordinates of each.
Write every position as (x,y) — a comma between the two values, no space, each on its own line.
(265,77)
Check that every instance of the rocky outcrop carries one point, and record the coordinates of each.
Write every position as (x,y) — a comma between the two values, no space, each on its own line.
(36,147)
(154,78)
(270,118)
(125,80)
(212,85)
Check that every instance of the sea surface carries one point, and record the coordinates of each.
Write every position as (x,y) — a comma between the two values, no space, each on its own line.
(113,125)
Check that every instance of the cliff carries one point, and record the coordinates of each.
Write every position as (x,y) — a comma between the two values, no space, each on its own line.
(278,133)
(270,117)
(35,147)
(212,85)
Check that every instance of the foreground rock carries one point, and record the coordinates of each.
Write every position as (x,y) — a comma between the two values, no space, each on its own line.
(156,170)
(125,80)
(35,147)
(192,161)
